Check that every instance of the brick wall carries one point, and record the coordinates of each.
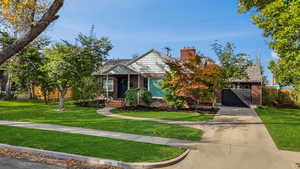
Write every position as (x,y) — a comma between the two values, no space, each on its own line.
(256,94)
(186,52)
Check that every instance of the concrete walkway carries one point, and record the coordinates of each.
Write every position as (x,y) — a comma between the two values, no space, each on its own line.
(102,133)
(244,144)
(195,124)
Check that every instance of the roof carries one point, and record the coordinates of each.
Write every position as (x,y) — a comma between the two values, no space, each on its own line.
(120,69)
(254,75)
(111,63)
(124,64)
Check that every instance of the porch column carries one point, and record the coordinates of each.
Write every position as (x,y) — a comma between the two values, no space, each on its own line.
(107,86)
(139,81)
(128,81)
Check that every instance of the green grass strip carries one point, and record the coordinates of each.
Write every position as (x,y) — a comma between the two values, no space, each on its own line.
(35,111)
(127,151)
(283,125)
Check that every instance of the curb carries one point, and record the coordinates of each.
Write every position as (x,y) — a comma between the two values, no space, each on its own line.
(96,161)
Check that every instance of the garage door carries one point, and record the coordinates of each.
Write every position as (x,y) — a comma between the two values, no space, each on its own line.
(236,97)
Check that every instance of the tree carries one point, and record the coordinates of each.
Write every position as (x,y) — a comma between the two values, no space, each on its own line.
(280,73)
(195,79)
(28,67)
(234,65)
(169,92)
(280,21)
(92,54)
(61,68)
(31,17)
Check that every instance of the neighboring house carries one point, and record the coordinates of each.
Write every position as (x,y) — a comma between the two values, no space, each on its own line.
(54,95)
(37,93)
(147,70)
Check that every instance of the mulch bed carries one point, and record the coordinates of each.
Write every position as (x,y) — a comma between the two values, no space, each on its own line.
(94,103)
(206,110)
(71,164)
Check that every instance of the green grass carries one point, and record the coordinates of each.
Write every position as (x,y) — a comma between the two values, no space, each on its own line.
(101,147)
(35,111)
(176,116)
(283,125)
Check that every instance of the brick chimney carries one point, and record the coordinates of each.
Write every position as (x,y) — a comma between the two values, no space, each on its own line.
(186,52)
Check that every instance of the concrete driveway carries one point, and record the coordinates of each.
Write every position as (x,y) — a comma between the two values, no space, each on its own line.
(241,141)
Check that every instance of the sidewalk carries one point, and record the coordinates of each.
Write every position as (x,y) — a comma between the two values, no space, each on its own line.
(102,133)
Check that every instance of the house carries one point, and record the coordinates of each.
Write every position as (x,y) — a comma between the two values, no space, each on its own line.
(147,70)
(53,95)
(140,72)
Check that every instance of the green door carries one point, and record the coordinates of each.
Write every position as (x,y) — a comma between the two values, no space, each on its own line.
(155,88)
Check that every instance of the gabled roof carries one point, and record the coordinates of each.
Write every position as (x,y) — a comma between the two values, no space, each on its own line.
(120,70)
(111,63)
(122,63)
(254,75)
(147,53)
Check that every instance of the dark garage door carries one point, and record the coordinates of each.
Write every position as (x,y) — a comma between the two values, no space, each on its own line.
(236,97)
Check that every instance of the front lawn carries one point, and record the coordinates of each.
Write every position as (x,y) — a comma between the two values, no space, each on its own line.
(283,125)
(93,146)
(36,111)
(176,116)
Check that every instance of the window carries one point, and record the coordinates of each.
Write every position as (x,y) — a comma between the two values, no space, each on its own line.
(155,88)
(108,85)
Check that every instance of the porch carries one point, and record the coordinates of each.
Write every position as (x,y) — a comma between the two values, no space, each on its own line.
(117,80)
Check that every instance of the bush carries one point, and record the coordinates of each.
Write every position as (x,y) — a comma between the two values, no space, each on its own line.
(139,96)
(278,98)
(2,96)
(94,103)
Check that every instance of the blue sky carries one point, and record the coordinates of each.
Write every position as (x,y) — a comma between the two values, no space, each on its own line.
(135,26)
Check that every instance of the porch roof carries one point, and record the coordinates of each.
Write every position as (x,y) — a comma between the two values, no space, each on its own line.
(119,69)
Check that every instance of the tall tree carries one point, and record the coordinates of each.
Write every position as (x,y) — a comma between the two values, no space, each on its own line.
(280,21)
(234,64)
(61,68)
(92,54)
(28,69)
(32,17)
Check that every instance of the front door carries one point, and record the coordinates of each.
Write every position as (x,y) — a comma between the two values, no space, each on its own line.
(122,86)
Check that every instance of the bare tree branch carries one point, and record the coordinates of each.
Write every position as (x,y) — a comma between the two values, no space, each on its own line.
(34,32)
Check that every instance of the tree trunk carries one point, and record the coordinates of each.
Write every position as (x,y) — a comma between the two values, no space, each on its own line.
(62,93)
(34,32)
(8,85)
(45,97)
(30,91)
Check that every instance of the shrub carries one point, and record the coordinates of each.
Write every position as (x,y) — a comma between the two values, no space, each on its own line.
(138,96)
(276,97)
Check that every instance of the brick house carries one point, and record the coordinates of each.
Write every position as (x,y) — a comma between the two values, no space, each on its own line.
(147,70)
